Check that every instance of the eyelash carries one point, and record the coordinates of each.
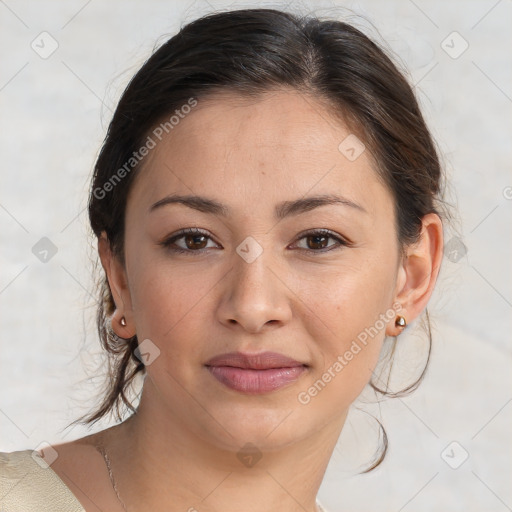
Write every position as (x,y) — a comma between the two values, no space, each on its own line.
(195,231)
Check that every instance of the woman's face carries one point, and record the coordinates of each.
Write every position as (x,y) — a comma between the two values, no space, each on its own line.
(259,277)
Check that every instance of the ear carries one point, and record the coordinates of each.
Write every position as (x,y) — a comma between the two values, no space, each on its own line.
(118,282)
(418,271)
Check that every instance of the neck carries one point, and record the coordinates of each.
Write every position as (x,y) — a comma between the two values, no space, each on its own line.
(157,462)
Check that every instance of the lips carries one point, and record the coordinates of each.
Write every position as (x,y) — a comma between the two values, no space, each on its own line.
(261,361)
(255,373)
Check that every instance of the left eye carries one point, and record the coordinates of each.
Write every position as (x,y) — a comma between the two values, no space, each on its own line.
(318,241)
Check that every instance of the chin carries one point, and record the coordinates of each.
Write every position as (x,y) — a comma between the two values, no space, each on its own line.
(266,428)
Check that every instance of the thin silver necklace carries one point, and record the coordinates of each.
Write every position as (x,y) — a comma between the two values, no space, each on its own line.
(103,451)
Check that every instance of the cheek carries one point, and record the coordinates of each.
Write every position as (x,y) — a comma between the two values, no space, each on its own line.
(348,315)
(169,304)
(164,301)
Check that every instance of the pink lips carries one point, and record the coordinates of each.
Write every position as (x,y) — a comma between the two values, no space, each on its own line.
(255,373)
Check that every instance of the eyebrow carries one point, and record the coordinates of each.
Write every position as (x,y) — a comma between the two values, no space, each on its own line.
(282,210)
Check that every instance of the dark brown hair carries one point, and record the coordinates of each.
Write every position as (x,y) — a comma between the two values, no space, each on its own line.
(250,52)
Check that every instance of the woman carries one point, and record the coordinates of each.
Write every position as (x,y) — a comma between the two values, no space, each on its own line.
(265,204)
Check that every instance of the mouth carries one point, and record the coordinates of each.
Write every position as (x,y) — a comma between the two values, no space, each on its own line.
(255,373)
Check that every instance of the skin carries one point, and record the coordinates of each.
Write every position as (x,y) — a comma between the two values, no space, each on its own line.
(181,447)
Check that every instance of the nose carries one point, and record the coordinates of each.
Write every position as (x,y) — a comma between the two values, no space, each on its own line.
(254,296)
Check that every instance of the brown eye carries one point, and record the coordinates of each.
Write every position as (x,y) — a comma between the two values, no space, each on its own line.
(195,241)
(317,241)
(189,241)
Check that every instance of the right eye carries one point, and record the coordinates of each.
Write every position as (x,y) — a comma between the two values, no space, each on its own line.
(193,240)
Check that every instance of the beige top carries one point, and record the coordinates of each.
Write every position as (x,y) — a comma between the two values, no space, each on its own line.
(28,484)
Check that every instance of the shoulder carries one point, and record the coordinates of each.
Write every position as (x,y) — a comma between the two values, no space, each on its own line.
(28,484)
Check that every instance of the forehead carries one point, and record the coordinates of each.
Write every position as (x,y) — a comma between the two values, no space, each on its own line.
(276,120)
(280,144)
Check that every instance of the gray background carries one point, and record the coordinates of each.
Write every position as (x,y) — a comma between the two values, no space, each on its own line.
(55,111)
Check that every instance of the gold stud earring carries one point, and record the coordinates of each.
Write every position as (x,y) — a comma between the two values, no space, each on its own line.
(123,321)
(400,321)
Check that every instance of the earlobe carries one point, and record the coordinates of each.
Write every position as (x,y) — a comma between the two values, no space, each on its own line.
(397,325)
(419,270)
(120,325)
(394,327)
(122,318)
